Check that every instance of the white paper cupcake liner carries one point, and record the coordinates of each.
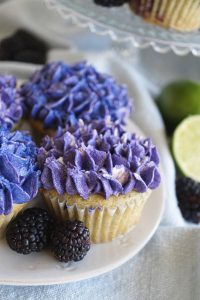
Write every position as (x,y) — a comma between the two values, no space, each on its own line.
(176,14)
(105,223)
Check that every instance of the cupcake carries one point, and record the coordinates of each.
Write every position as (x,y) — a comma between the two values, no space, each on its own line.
(98,174)
(61,94)
(10,102)
(19,175)
(180,15)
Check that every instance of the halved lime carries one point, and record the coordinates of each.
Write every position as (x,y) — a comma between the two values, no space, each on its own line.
(186,147)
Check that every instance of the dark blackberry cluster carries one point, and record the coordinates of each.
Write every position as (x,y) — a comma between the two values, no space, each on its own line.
(70,241)
(34,229)
(110,3)
(30,231)
(188,195)
(23,46)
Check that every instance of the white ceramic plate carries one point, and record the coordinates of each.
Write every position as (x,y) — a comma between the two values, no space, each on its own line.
(43,269)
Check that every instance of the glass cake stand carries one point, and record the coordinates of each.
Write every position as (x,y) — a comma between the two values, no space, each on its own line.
(122,26)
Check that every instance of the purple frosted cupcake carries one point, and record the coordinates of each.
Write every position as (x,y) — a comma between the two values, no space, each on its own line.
(10,102)
(98,174)
(61,94)
(19,175)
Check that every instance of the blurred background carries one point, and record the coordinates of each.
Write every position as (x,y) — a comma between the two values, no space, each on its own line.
(59,33)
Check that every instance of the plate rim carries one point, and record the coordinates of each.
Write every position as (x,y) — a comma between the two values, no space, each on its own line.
(102,270)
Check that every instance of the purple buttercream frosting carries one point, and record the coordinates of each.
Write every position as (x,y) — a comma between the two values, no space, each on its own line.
(61,94)
(19,175)
(10,101)
(99,158)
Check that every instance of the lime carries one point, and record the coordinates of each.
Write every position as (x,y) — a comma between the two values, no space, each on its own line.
(177,101)
(186,147)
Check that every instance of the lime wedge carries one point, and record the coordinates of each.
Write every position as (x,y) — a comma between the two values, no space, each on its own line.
(186,147)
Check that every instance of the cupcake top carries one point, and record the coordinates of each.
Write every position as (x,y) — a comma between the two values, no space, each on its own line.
(19,175)
(10,101)
(99,158)
(61,94)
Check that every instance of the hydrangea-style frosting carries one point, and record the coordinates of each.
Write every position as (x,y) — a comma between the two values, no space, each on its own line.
(19,175)
(99,158)
(61,94)
(10,101)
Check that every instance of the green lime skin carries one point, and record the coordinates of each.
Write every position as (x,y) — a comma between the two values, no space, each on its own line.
(177,101)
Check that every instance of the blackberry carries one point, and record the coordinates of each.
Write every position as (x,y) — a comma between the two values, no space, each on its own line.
(32,56)
(188,195)
(70,241)
(30,231)
(29,41)
(23,46)
(110,3)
